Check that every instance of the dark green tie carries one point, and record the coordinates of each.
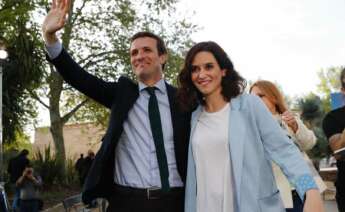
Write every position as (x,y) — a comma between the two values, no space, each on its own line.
(157,133)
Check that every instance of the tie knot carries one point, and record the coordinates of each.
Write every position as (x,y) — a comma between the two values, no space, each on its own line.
(151,90)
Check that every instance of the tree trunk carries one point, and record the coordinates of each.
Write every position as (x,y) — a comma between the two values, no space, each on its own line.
(56,122)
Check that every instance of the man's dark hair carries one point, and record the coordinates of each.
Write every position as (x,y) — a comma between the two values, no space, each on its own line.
(342,78)
(160,43)
(24,152)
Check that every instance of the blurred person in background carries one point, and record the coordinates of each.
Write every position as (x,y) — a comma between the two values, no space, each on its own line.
(15,169)
(334,129)
(79,167)
(29,184)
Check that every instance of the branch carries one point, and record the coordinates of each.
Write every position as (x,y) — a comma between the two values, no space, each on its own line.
(67,116)
(94,62)
(78,12)
(95,56)
(39,99)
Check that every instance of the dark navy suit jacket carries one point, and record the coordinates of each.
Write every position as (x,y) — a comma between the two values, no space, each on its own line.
(119,97)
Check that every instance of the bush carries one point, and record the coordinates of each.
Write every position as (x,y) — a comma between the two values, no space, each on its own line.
(50,168)
(71,173)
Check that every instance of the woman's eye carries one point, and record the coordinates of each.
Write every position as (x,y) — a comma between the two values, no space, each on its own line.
(194,69)
(209,66)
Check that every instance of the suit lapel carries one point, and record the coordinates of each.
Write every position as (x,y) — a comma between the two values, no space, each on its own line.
(236,139)
(130,96)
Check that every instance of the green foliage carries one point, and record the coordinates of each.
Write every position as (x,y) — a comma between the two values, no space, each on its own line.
(71,173)
(321,148)
(48,166)
(329,82)
(312,110)
(22,141)
(312,115)
(22,70)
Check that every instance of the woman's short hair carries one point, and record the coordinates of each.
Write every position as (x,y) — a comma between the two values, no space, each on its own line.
(232,83)
(271,91)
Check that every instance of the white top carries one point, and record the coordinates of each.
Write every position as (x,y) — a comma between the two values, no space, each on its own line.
(212,158)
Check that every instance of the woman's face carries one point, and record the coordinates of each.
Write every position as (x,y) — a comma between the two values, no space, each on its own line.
(206,74)
(269,104)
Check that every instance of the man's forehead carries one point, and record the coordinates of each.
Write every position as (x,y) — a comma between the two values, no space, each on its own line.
(143,42)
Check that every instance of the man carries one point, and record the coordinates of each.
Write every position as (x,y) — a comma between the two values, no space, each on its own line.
(29,184)
(15,169)
(79,166)
(334,128)
(141,165)
(86,165)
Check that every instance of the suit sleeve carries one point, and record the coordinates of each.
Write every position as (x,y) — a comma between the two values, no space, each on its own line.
(279,148)
(92,86)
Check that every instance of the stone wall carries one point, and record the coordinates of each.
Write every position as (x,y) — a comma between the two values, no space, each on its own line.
(79,138)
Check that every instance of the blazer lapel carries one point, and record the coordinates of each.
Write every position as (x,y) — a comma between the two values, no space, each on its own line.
(173,110)
(236,140)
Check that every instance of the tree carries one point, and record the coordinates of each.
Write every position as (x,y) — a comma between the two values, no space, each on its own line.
(312,113)
(329,82)
(22,70)
(97,35)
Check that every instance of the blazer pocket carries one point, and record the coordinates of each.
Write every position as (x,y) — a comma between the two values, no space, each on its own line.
(272,203)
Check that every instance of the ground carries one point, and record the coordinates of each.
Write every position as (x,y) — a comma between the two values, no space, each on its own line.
(53,195)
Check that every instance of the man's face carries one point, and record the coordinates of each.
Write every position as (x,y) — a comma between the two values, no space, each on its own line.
(145,60)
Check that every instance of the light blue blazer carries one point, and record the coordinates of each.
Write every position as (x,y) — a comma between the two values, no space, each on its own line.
(255,139)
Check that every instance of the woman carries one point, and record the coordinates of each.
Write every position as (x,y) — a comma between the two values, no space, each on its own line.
(296,130)
(233,138)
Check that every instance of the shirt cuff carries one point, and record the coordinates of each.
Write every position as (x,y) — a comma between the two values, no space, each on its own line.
(53,50)
(303,184)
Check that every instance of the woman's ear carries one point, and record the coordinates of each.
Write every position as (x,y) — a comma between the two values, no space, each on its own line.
(223,72)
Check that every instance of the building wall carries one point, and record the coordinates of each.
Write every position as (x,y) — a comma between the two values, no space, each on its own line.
(79,138)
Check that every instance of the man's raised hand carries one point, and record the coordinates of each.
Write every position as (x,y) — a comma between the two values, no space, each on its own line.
(55,20)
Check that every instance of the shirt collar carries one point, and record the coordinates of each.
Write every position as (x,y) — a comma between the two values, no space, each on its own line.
(160,85)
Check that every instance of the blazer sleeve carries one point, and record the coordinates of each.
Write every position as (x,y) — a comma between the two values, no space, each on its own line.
(92,86)
(279,148)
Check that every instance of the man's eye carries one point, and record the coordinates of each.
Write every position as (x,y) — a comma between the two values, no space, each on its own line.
(133,53)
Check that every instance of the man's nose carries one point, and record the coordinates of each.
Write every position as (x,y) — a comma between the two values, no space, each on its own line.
(140,55)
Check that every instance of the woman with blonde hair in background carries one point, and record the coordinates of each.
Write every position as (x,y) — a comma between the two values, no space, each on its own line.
(294,128)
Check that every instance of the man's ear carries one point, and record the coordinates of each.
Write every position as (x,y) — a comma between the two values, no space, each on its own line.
(163,58)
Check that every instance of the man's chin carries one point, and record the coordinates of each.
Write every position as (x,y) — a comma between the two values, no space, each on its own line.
(142,76)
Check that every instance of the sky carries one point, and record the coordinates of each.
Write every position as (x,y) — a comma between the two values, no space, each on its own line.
(284,41)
